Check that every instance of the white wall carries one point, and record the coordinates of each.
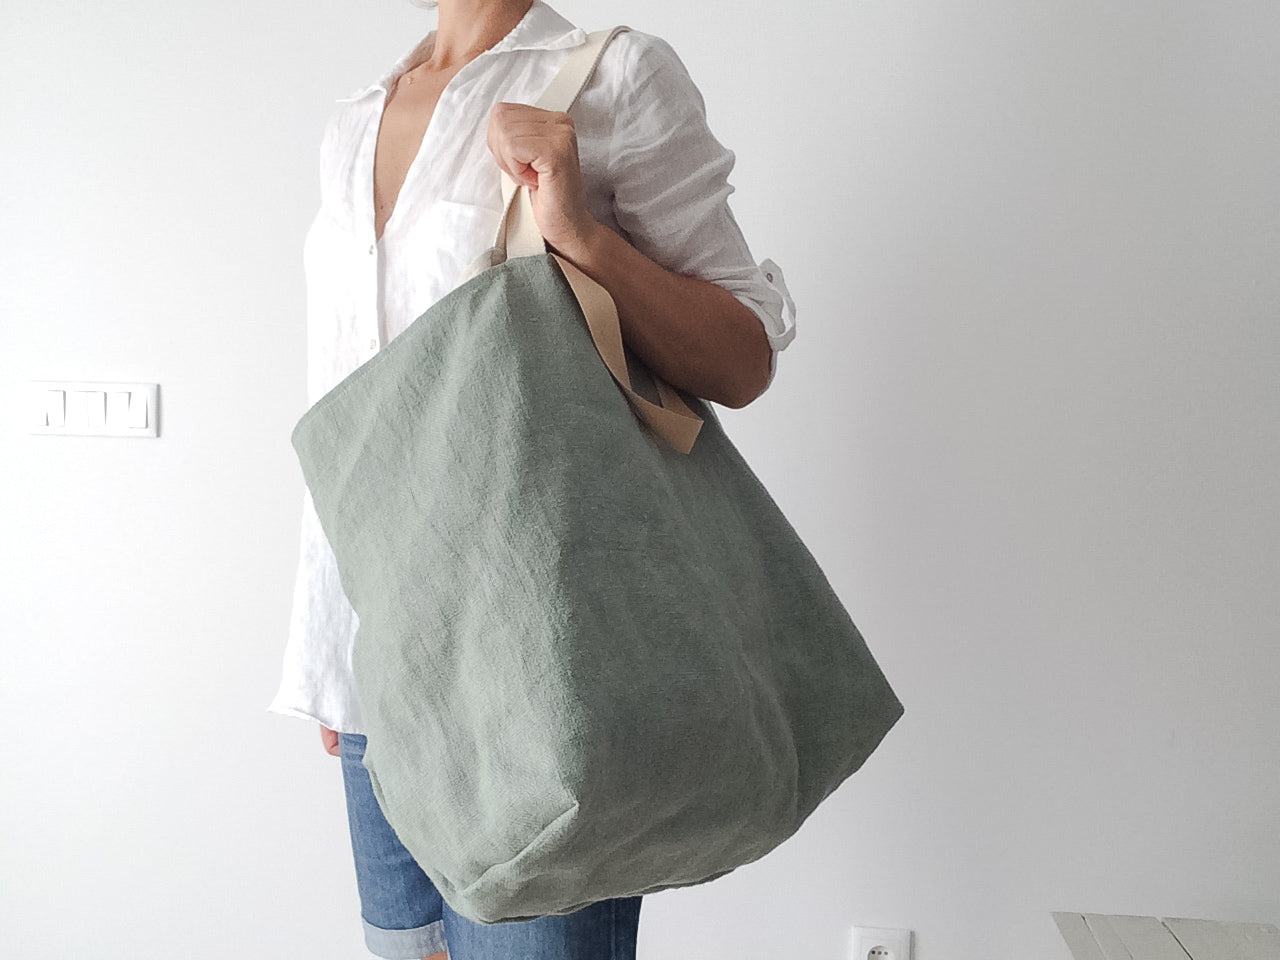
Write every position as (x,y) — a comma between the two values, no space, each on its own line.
(1029,426)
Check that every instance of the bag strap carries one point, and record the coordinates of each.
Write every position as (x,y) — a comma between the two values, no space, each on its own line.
(518,236)
(672,419)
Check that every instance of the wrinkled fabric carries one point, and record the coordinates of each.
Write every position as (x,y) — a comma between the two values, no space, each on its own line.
(589,667)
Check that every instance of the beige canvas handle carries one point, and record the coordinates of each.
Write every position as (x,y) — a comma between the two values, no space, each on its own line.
(518,236)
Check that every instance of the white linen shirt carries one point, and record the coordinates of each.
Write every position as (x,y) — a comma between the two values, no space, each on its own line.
(652,171)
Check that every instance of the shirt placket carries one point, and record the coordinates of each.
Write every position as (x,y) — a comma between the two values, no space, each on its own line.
(368,328)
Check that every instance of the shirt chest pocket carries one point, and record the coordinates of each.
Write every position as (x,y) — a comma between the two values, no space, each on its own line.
(445,241)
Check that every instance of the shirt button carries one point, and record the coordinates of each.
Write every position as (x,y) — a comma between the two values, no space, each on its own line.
(371,246)
(769,277)
(373,344)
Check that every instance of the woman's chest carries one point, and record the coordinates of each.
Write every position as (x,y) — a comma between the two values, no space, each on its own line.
(401,130)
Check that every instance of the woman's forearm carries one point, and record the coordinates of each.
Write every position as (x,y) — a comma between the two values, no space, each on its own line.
(694,334)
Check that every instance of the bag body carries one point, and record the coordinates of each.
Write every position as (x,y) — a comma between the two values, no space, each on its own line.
(590,666)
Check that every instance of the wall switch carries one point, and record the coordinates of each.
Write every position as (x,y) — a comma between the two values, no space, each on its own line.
(118,409)
(95,409)
(55,408)
(86,409)
(877,943)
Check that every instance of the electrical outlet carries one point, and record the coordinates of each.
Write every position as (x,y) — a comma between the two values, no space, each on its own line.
(875,943)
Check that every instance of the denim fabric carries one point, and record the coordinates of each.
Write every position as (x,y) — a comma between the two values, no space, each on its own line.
(406,918)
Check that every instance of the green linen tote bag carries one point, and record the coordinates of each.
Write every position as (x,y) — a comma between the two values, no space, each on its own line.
(594,660)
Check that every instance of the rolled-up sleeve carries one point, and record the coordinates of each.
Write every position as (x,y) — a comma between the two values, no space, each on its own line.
(670,181)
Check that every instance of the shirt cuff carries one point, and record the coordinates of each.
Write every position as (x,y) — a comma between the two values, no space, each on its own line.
(780,323)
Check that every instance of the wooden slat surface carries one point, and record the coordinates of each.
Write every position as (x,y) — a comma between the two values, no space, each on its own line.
(1079,938)
(1208,940)
(1148,939)
(1097,936)
(1108,938)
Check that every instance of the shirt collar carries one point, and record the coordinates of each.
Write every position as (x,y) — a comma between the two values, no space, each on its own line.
(541,28)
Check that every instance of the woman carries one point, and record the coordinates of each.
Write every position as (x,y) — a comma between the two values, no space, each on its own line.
(631,187)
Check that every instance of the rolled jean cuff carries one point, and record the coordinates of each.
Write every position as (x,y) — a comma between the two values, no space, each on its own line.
(405,944)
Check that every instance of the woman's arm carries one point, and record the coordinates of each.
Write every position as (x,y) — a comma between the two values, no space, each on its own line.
(694,334)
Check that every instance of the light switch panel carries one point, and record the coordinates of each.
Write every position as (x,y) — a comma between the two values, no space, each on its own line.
(91,409)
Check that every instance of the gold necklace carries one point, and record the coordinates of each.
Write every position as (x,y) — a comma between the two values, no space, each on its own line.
(409,78)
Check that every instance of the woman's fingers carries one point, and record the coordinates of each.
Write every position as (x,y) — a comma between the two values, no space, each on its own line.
(528,142)
(329,739)
(539,149)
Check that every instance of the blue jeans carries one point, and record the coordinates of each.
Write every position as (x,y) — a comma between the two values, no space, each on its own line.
(405,917)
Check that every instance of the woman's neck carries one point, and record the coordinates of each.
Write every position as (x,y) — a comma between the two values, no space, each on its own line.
(467,28)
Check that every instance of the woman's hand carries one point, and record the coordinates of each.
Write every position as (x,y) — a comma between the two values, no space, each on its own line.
(329,738)
(539,149)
